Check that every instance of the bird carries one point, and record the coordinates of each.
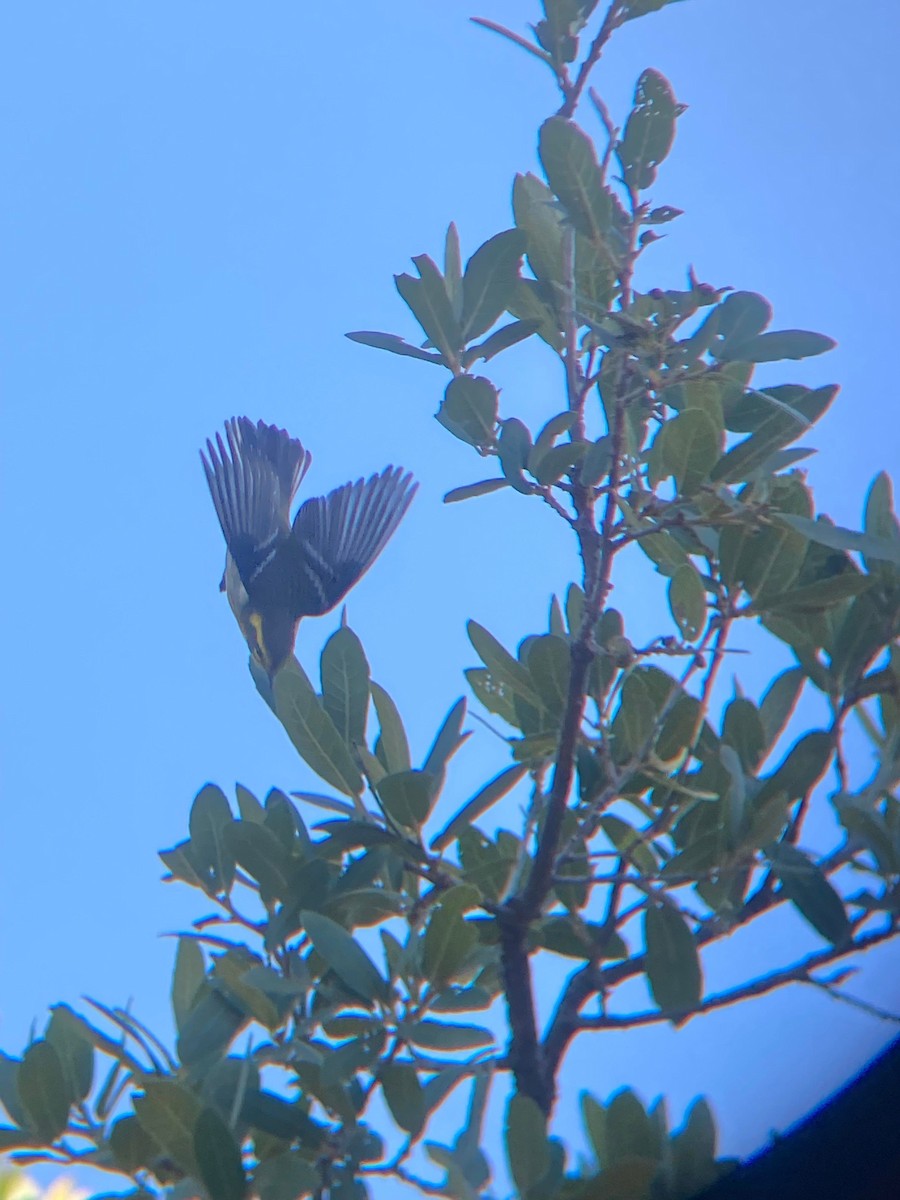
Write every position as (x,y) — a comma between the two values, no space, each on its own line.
(276,571)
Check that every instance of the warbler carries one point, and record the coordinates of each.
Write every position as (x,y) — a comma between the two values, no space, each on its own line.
(277,572)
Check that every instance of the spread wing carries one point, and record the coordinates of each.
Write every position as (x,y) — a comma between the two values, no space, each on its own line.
(252,480)
(337,537)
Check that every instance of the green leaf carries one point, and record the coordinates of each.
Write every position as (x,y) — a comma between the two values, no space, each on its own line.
(537,214)
(314,733)
(489,280)
(838,538)
(782,425)
(65,1033)
(750,410)
(345,684)
(429,303)
(803,766)
(532,302)
(636,715)
(230,978)
(392,748)
(597,461)
(868,627)
(494,694)
(9,1088)
(779,702)
(775,346)
(470,490)
(486,798)
(629,1132)
(629,843)
(553,429)
(880,521)
(448,941)
(767,561)
(273,1115)
(640,8)
(436,1035)
(262,856)
(448,740)
(209,1028)
(694,1150)
(665,551)
(218,1157)
(672,961)
(815,597)
(563,21)
(345,956)
(662,215)
(393,343)
(285,1177)
(527,1150)
(687,601)
(249,807)
(168,1112)
(698,857)
(131,1145)
(453,270)
(688,447)
(469,410)
(570,164)
(44,1091)
(742,729)
(870,827)
(550,466)
(649,130)
(505,337)
(210,814)
(808,889)
(187,979)
(549,665)
(407,797)
(403,1095)
(741,316)
(593,1114)
(513,449)
(501,663)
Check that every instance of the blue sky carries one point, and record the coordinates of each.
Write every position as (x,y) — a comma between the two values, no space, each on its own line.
(201,199)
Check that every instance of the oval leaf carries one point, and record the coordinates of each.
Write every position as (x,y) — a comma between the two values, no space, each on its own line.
(44,1091)
(218,1157)
(687,601)
(673,964)
(345,956)
(806,886)
(403,1095)
(527,1149)
(469,410)
(345,684)
(313,732)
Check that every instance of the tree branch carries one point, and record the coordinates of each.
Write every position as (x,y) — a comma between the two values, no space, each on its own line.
(800,973)
(573,91)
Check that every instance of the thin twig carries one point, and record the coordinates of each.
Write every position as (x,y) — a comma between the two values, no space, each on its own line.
(799,973)
(519,41)
(612,132)
(573,92)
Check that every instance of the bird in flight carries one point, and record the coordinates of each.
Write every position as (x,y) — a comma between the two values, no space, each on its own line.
(276,571)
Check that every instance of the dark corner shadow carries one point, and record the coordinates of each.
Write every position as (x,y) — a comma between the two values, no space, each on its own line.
(849,1149)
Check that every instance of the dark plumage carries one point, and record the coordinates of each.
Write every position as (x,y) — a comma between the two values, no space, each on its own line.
(277,573)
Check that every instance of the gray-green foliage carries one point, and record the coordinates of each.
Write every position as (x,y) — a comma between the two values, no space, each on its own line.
(376,952)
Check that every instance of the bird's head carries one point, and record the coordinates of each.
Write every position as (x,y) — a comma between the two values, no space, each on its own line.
(270,637)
